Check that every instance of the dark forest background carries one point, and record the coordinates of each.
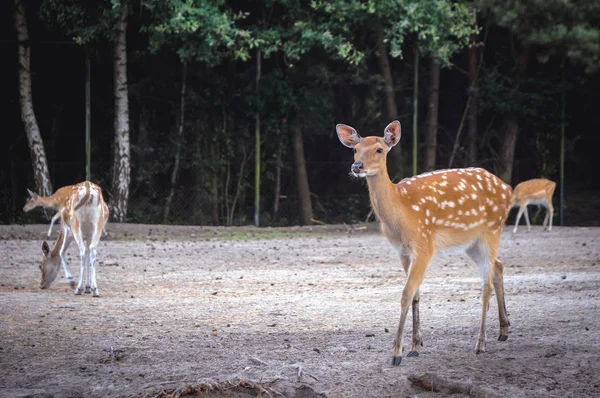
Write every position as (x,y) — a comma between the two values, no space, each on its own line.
(497,83)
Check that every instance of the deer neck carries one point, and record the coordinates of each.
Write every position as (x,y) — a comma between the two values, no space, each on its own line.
(48,202)
(385,199)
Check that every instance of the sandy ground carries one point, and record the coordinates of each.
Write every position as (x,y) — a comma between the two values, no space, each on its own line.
(304,312)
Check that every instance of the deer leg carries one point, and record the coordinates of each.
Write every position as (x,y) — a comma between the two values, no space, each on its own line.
(417,341)
(498,277)
(82,276)
(92,265)
(549,216)
(527,219)
(54,218)
(416,273)
(66,242)
(522,208)
(480,254)
(76,231)
(88,288)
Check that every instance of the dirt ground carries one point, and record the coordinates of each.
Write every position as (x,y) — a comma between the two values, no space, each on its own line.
(302,312)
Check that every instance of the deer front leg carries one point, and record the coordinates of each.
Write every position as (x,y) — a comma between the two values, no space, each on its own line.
(416,273)
(54,218)
(522,208)
(527,219)
(66,242)
(417,341)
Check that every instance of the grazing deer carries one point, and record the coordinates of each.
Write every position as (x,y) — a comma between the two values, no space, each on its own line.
(56,201)
(454,208)
(539,192)
(82,219)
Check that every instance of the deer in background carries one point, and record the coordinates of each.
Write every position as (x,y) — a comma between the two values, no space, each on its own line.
(538,191)
(454,208)
(82,219)
(56,201)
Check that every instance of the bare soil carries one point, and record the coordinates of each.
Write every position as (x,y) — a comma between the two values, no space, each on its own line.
(302,312)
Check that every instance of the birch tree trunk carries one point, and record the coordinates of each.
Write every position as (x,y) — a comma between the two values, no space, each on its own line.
(175,171)
(121,162)
(304,201)
(432,115)
(32,130)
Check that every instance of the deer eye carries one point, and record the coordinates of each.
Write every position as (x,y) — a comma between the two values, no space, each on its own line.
(354,150)
(379,150)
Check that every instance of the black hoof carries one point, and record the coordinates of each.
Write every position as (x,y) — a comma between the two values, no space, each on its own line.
(396,360)
(503,337)
(72,284)
(413,354)
(479,351)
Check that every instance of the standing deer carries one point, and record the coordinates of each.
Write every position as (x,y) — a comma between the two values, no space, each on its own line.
(538,191)
(454,208)
(82,219)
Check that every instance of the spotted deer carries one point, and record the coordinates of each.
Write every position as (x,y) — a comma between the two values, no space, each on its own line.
(443,209)
(538,191)
(82,219)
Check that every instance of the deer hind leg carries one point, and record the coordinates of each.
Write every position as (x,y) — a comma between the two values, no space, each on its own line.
(92,267)
(498,277)
(480,254)
(416,273)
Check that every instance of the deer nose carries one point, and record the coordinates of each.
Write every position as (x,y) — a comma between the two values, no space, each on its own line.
(357,167)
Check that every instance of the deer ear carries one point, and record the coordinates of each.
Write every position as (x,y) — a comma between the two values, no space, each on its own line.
(391,134)
(31,193)
(45,248)
(347,135)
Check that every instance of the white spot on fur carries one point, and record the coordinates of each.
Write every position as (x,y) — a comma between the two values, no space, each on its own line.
(415,207)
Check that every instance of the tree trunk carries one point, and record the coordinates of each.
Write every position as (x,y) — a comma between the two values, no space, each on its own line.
(432,115)
(257,145)
(121,165)
(390,99)
(507,152)
(178,143)
(32,130)
(415,110)
(304,200)
(278,165)
(511,121)
(472,141)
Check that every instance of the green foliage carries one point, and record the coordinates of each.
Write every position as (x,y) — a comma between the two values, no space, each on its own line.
(84,21)
(199,30)
(438,27)
(560,28)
